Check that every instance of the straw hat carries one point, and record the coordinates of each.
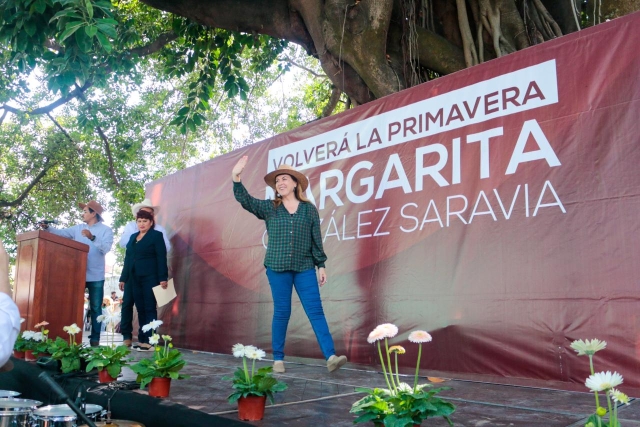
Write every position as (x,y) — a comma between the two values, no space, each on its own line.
(146,203)
(283,169)
(93,205)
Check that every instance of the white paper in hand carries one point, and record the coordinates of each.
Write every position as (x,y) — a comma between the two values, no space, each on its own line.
(163,296)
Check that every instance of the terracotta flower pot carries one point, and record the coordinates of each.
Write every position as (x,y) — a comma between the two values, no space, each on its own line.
(104,377)
(18,354)
(29,356)
(159,387)
(251,408)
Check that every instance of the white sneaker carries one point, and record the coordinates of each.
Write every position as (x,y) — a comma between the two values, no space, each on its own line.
(278,366)
(335,362)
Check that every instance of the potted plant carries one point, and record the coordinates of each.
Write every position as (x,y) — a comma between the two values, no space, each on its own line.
(162,367)
(37,342)
(108,359)
(401,404)
(606,382)
(21,345)
(251,388)
(69,353)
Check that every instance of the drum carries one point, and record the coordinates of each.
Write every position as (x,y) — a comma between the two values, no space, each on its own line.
(8,393)
(16,412)
(118,423)
(61,415)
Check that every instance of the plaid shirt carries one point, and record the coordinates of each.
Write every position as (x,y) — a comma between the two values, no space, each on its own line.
(295,242)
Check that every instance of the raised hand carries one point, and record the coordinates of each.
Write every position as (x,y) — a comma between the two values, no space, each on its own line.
(238,168)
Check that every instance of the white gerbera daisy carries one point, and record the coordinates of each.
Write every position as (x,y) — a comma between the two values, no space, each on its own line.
(255,353)
(71,329)
(588,347)
(238,350)
(618,396)
(603,381)
(155,324)
(155,338)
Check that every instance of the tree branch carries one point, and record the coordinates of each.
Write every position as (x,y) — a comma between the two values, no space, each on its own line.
(25,192)
(60,127)
(146,50)
(333,101)
(107,148)
(155,45)
(310,71)
(48,108)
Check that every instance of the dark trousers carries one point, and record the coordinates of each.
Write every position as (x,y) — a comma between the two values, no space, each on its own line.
(138,291)
(96,293)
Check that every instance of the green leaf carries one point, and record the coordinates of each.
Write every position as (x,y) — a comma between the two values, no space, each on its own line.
(83,40)
(107,21)
(114,370)
(69,13)
(89,7)
(30,27)
(104,42)
(22,41)
(233,90)
(91,30)
(108,30)
(70,28)
(40,6)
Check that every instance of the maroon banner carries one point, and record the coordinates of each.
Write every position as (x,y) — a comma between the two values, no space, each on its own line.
(496,208)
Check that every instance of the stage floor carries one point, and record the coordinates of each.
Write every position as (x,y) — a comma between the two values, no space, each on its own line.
(317,398)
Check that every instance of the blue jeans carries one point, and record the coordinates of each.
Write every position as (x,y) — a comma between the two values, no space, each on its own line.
(96,293)
(306,284)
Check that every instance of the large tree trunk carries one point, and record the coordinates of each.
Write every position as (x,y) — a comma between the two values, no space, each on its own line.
(370,48)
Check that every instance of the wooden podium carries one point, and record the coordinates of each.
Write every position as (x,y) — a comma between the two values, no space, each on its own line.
(50,281)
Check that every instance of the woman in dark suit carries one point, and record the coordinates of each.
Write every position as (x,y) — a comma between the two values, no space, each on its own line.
(145,267)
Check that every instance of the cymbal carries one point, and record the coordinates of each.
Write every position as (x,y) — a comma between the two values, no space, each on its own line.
(117,423)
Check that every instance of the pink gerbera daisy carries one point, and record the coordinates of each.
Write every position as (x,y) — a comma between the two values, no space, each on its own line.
(375,335)
(419,337)
(389,330)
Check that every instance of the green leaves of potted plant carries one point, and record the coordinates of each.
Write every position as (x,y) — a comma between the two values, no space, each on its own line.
(251,388)
(69,353)
(163,366)
(21,345)
(401,404)
(109,359)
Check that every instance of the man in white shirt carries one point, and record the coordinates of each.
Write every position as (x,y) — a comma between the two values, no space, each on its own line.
(99,237)
(9,314)
(132,227)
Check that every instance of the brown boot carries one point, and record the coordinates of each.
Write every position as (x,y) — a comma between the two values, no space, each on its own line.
(127,343)
(278,366)
(335,362)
